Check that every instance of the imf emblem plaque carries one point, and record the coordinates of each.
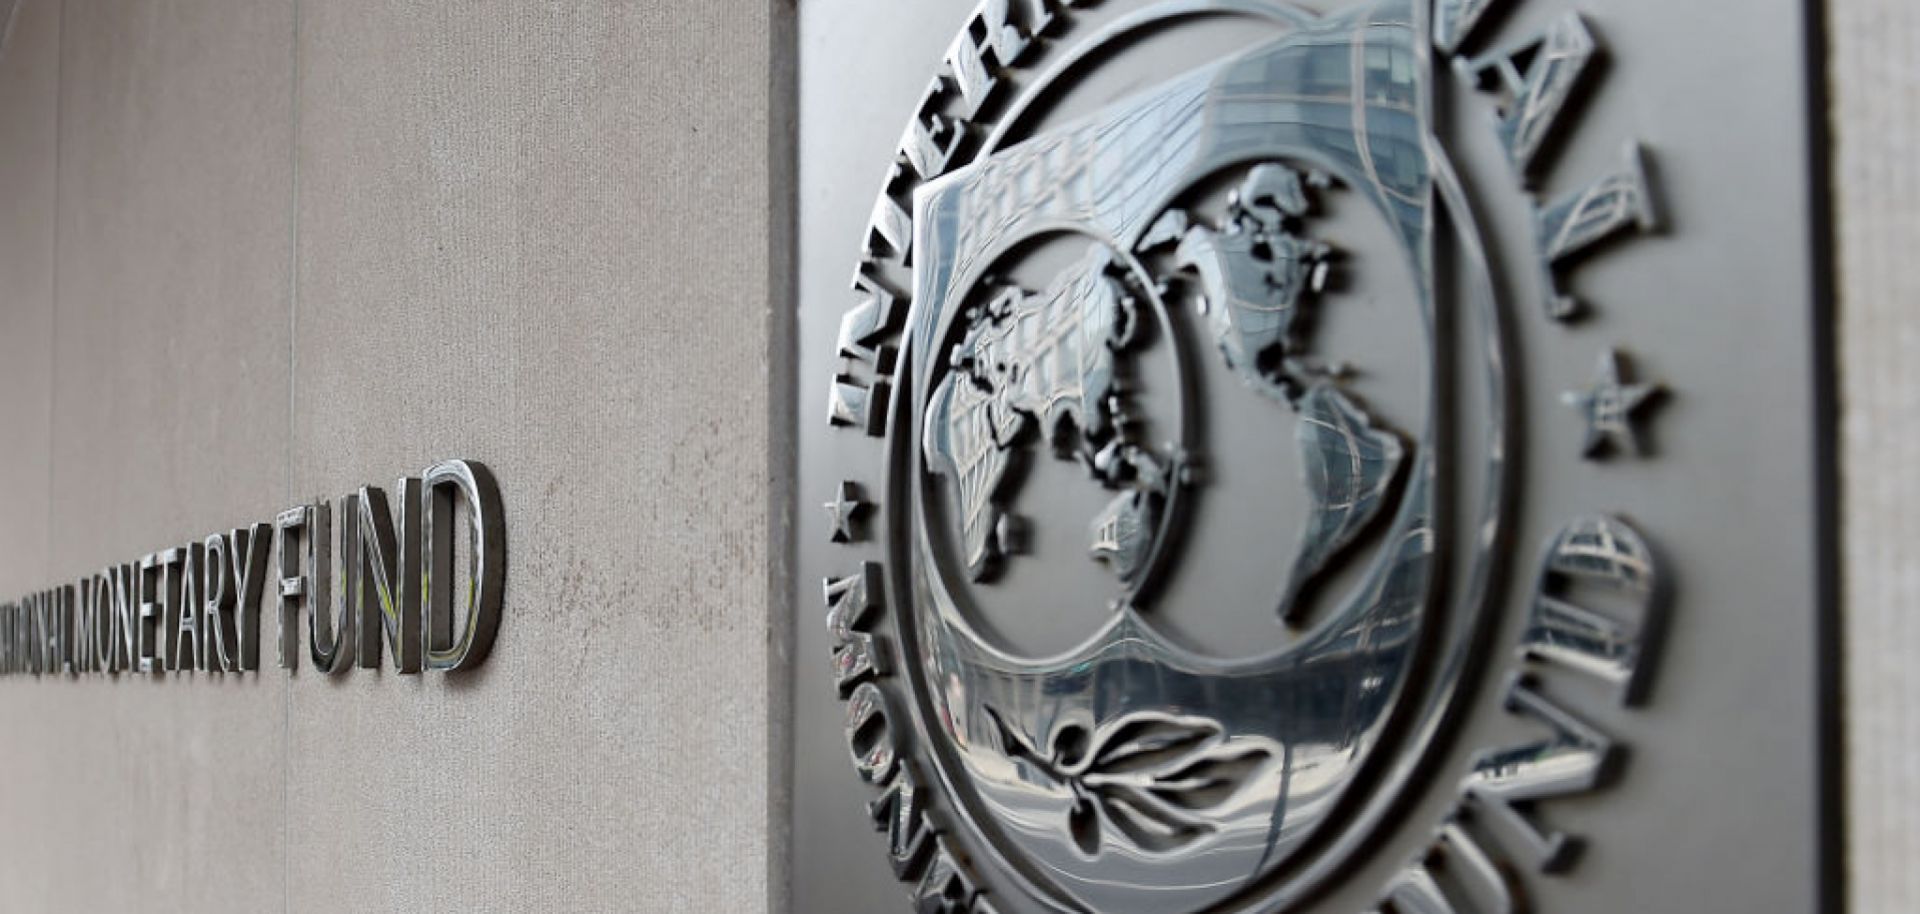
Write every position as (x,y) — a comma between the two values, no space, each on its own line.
(1243,485)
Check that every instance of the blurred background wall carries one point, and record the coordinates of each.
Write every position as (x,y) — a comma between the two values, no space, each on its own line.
(257,253)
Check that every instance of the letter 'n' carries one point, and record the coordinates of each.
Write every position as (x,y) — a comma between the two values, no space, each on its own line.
(390,576)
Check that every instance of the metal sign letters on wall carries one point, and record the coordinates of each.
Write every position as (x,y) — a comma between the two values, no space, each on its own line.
(1148,292)
(372,572)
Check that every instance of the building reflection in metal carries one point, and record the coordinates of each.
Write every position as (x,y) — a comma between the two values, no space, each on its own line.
(1603,555)
(1132,774)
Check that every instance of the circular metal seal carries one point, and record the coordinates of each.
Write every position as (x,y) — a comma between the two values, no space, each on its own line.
(1190,391)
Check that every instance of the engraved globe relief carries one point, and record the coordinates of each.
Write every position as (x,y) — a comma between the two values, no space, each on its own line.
(1170,386)
(1188,374)
(1176,414)
(1165,470)
(1076,371)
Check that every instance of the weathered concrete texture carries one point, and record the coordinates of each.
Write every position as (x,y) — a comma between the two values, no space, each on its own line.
(29,74)
(29,112)
(168,421)
(1876,90)
(539,238)
(291,251)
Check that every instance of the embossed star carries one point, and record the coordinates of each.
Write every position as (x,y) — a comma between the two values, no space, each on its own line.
(843,511)
(1610,407)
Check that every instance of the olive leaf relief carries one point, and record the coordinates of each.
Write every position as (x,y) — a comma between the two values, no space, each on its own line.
(1150,778)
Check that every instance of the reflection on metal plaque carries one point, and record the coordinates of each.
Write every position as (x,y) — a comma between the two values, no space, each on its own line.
(1117,352)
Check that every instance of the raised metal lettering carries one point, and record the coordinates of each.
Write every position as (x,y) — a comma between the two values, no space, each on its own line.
(876,315)
(85,659)
(247,554)
(930,140)
(852,405)
(1414,890)
(64,623)
(296,586)
(389,572)
(1576,758)
(944,889)
(150,621)
(126,616)
(1574,223)
(870,734)
(888,229)
(1455,20)
(189,641)
(480,495)
(900,812)
(1534,95)
(105,632)
(330,622)
(1601,558)
(857,656)
(218,639)
(990,43)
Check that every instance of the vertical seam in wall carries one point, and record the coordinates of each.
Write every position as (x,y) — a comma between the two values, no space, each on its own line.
(293,351)
(6,31)
(1830,889)
(53,306)
(783,48)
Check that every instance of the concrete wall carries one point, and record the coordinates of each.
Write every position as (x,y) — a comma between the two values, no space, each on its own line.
(1875,73)
(257,253)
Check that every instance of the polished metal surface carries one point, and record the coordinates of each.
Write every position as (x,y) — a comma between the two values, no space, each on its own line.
(462,488)
(126,599)
(150,611)
(189,647)
(390,575)
(172,579)
(1255,276)
(86,617)
(1106,795)
(1535,95)
(247,555)
(1597,605)
(236,573)
(1454,20)
(1189,434)
(331,616)
(1045,364)
(1574,758)
(296,587)
(1610,408)
(843,513)
(857,406)
(1348,469)
(851,602)
(1131,773)
(1571,225)
(220,639)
